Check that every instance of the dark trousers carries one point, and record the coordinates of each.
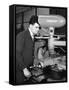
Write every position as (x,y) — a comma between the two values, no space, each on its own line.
(20,77)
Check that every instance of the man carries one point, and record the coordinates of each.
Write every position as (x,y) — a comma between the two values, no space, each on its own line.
(25,51)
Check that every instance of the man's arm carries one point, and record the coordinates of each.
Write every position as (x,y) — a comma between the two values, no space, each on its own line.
(19,51)
(20,43)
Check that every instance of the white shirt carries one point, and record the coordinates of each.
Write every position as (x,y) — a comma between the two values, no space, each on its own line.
(32,35)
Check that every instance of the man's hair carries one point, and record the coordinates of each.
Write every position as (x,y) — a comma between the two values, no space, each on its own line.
(33,19)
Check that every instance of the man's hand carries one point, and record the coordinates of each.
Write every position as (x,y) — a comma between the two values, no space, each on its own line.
(26,72)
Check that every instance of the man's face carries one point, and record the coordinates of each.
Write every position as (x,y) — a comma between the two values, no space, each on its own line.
(35,28)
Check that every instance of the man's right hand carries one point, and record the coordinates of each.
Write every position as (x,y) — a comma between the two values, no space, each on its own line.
(26,72)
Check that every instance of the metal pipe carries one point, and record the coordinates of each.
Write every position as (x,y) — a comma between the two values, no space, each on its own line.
(59,43)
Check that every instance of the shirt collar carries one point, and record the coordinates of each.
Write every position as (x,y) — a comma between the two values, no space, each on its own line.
(32,35)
